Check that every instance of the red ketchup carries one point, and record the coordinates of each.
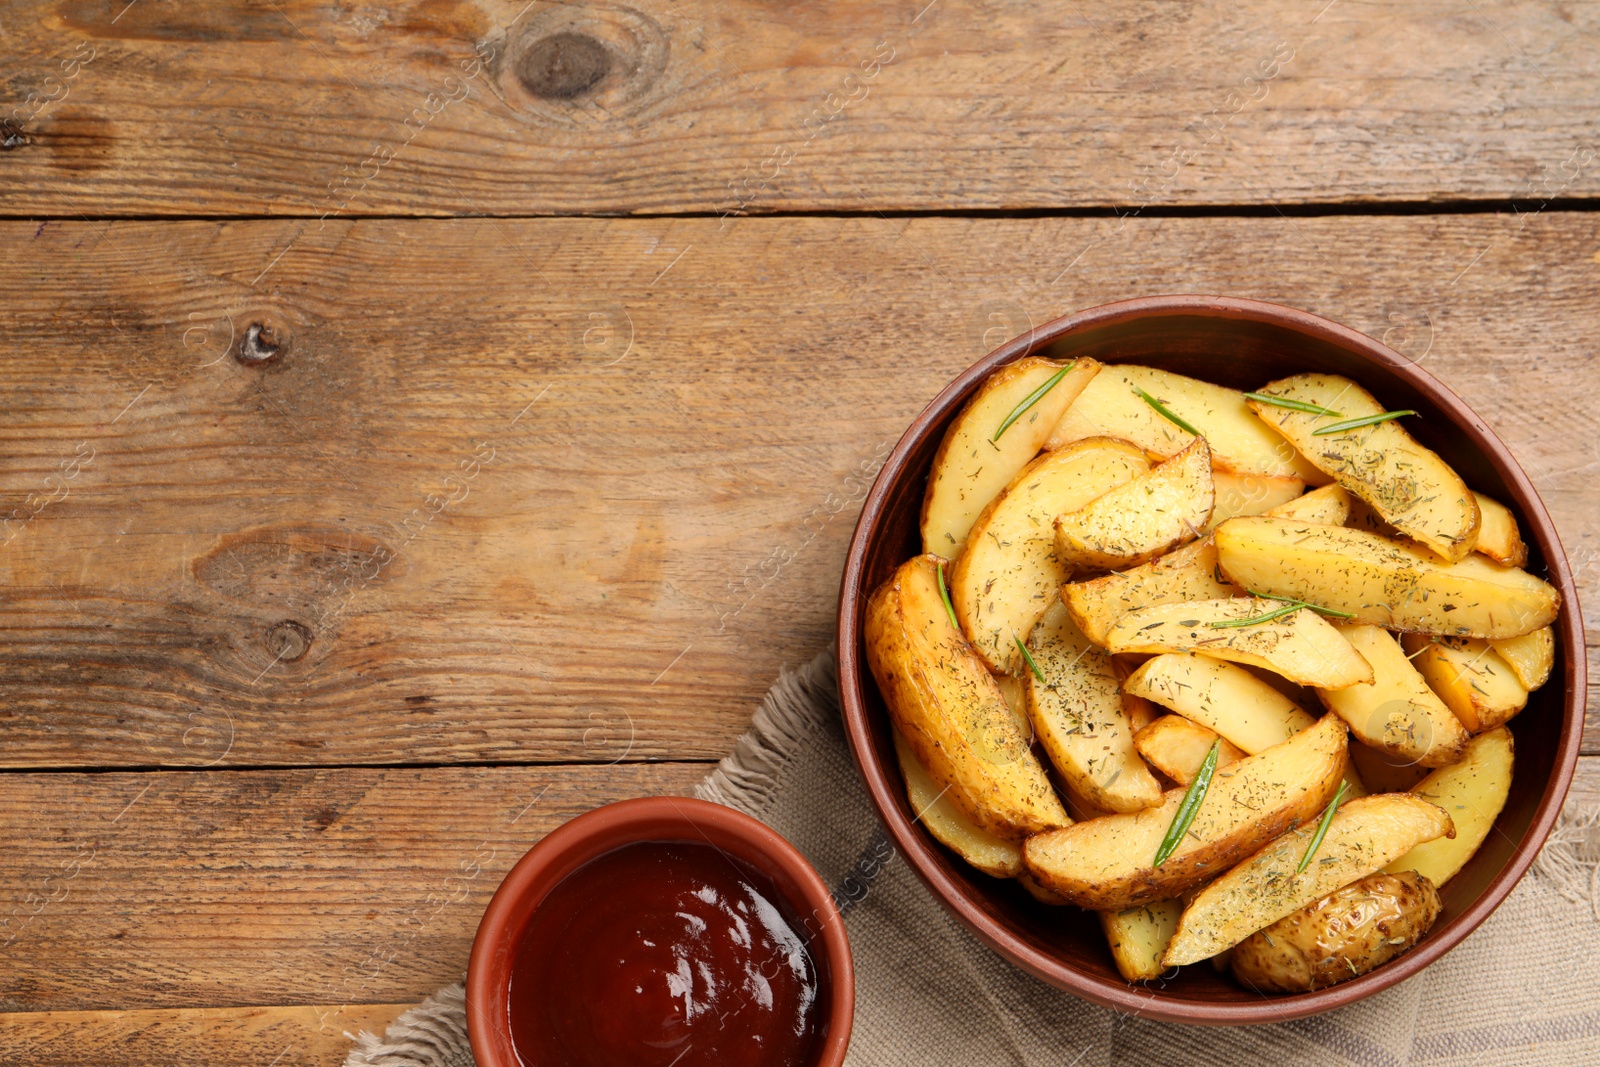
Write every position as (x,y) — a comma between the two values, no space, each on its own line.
(664,954)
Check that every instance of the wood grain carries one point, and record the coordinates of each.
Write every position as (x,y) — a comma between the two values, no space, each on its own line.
(490,106)
(206,889)
(218,892)
(189,1037)
(556,490)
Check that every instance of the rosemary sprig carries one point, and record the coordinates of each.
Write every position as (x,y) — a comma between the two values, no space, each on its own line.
(1190,806)
(1322,828)
(1028,658)
(1290,606)
(1030,400)
(1165,412)
(1254,620)
(1292,405)
(1356,424)
(944,595)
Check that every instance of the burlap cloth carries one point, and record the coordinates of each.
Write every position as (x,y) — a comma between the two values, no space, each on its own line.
(1520,990)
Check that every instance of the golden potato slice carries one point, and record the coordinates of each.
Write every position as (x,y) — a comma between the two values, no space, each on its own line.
(1009,572)
(949,825)
(1472,792)
(972,465)
(1347,933)
(1381,581)
(1111,407)
(1077,713)
(1105,864)
(1039,892)
(1329,505)
(1016,695)
(1381,773)
(1530,657)
(949,709)
(1184,574)
(1250,713)
(1140,519)
(1396,713)
(1408,485)
(1498,536)
(1301,646)
(1222,698)
(1470,677)
(1249,494)
(1363,836)
(1177,747)
(1138,937)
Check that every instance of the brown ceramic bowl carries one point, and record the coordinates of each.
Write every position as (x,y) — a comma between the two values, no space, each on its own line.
(1243,344)
(629,822)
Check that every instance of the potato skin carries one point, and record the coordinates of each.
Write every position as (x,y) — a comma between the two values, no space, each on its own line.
(1345,934)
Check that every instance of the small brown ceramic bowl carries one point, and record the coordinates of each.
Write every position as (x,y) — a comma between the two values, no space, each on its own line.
(1243,344)
(663,819)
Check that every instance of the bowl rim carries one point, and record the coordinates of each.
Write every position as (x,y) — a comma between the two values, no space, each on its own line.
(918,847)
(658,818)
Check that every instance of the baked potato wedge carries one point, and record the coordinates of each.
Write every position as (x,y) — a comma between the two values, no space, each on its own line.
(1105,864)
(1329,505)
(1382,582)
(1039,892)
(1301,646)
(949,825)
(1380,771)
(1530,657)
(1396,713)
(1184,574)
(1408,485)
(1076,706)
(1472,792)
(1471,678)
(977,459)
(1140,519)
(1138,937)
(1222,698)
(1363,836)
(1249,494)
(1009,572)
(950,710)
(1345,934)
(1177,747)
(1498,535)
(1111,406)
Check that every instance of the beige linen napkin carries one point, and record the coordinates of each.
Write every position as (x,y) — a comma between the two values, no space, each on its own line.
(1520,990)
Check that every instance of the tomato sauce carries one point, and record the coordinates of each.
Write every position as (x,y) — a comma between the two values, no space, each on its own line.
(665,954)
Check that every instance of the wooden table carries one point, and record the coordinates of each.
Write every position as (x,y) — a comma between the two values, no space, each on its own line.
(422,423)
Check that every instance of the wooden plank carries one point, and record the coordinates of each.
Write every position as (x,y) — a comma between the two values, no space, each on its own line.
(491,106)
(335,887)
(280,919)
(553,490)
(189,1037)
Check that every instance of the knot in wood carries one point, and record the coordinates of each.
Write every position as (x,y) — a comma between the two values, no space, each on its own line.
(11,135)
(288,640)
(563,65)
(261,344)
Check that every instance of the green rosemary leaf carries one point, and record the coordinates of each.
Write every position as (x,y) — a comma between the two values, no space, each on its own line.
(1028,658)
(944,595)
(1030,400)
(1322,828)
(1165,412)
(1255,620)
(1292,405)
(1190,806)
(1318,608)
(1356,424)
